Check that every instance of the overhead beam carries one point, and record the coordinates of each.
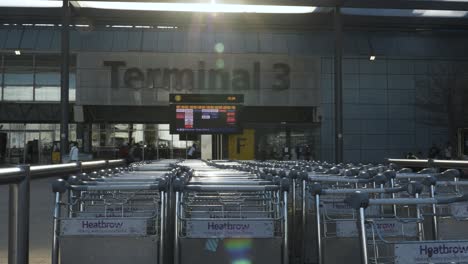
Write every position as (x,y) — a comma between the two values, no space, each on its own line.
(314,21)
(377,4)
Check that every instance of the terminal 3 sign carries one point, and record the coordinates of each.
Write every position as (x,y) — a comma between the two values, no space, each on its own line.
(132,78)
(218,78)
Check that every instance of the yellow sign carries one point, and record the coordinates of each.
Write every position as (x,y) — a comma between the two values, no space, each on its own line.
(242,146)
(55,157)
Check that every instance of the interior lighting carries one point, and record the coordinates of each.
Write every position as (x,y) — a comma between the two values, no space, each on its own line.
(30,3)
(211,7)
(17,52)
(440,13)
(372,58)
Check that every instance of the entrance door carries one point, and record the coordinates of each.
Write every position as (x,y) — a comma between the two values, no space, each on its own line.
(287,142)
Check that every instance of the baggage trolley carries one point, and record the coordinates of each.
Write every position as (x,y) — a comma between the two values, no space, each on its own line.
(117,219)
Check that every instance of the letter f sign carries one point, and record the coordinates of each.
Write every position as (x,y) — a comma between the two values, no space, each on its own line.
(240,144)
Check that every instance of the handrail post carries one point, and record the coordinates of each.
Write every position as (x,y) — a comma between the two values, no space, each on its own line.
(18,233)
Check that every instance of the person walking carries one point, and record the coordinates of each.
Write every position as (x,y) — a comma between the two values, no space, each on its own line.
(191,152)
(448,151)
(74,152)
(434,152)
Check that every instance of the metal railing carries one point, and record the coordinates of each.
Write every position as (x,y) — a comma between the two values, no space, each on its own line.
(19,179)
(430,163)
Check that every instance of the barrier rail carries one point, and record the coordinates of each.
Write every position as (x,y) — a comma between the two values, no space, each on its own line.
(431,163)
(19,179)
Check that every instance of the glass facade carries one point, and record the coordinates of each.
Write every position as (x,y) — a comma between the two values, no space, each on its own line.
(33,78)
(30,143)
(287,142)
(144,141)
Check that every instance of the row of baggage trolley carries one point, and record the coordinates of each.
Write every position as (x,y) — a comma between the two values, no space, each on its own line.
(245,212)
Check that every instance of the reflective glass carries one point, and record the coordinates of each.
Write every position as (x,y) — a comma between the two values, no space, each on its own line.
(48,86)
(18,93)
(72,87)
(47,93)
(18,86)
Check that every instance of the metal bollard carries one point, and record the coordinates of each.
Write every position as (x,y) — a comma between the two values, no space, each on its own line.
(18,225)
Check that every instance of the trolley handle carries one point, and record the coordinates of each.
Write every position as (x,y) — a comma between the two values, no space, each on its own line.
(114,187)
(359,200)
(220,188)
(334,178)
(368,190)
(450,200)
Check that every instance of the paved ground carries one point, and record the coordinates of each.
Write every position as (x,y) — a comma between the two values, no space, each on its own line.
(41,222)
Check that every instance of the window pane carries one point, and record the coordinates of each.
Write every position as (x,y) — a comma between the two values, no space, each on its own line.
(72,80)
(47,93)
(72,87)
(18,86)
(32,126)
(18,93)
(48,60)
(48,78)
(18,78)
(19,61)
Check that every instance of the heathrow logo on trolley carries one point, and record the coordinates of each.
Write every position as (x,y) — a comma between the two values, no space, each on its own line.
(384,227)
(227,226)
(223,228)
(431,252)
(104,227)
(459,210)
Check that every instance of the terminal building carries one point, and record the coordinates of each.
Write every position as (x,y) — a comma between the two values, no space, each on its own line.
(233,131)
(402,78)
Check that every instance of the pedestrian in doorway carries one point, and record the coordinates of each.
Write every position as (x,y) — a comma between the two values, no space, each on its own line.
(192,151)
(448,151)
(410,155)
(74,152)
(308,153)
(434,151)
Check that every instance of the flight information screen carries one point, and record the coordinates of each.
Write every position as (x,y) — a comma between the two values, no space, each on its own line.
(205,119)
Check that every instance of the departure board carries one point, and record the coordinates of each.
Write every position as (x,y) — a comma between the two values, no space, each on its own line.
(205,119)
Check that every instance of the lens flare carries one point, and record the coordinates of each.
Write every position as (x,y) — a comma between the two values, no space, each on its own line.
(241,261)
(239,249)
(220,63)
(238,244)
(219,47)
